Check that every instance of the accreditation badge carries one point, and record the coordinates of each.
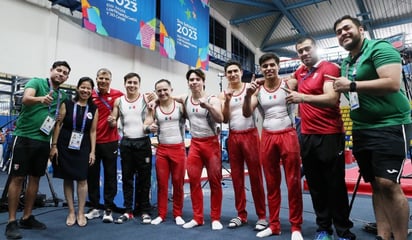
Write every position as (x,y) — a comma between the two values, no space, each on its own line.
(48,125)
(75,140)
(353,100)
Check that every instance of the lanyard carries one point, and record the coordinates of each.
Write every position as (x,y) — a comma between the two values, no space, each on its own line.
(312,70)
(56,114)
(104,101)
(355,69)
(84,117)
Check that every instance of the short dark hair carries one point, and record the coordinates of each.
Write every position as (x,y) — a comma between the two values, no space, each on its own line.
(268,56)
(196,71)
(131,75)
(347,17)
(232,62)
(302,39)
(82,80)
(61,63)
(163,80)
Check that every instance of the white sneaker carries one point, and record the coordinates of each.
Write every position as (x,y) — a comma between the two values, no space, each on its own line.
(157,221)
(107,216)
(296,235)
(216,225)
(190,224)
(179,221)
(261,224)
(265,233)
(92,213)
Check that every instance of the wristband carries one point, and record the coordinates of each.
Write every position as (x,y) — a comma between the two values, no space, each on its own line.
(303,98)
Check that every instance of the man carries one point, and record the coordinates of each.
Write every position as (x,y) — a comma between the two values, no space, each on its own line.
(323,140)
(203,112)
(167,121)
(31,144)
(106,148)
(278,141)
(371,78)
(135,149)
(242,148)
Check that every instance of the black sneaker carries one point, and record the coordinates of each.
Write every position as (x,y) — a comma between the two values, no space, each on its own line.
(31,223)
(12,230)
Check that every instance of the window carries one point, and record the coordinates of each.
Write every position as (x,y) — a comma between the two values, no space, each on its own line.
(217,33)
(243,54)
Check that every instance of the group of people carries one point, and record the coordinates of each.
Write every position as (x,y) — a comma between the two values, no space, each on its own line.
(51,126)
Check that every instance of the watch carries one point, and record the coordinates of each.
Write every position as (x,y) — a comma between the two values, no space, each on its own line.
(352,86)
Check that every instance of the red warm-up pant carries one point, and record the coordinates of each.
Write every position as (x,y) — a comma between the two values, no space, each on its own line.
(243,146)
(275,146)
(205,152)
(170,158)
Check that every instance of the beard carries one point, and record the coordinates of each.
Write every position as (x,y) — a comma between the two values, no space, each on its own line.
(310,62)
(56,81)
(353,44)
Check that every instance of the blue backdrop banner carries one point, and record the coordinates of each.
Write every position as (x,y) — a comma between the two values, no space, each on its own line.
(133,21)
(184,31)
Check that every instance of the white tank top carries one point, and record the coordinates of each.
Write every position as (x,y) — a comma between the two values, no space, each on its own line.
(275,112)
(201,123)
(237,120)
(171,125)
(132,116)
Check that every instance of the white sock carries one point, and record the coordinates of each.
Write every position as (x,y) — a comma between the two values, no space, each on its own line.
(265,233)
(216,225)
(157,221)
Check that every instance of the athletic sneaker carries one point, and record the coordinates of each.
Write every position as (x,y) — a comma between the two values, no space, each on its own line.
(92,213)
(12,230)
(31,223)
(323,235)
(124,218)
(107,216)
(261,224)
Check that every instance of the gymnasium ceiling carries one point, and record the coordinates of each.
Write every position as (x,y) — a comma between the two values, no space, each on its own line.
(275,25)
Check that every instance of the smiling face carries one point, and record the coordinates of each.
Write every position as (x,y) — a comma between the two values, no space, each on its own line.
(132,85)
(103,80)
(84,90)
(349,35)
(233,74)
(163,91)
(307,52)
(269,69)
(196,83)
(59,75)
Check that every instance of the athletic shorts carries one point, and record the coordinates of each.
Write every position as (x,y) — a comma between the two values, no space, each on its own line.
(380,152)
(29,157)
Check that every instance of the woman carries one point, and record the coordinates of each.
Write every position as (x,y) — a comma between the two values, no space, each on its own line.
(73,147)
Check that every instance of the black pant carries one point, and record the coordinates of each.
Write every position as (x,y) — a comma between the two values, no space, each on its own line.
(136,157)
(323,162)
(106,153)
